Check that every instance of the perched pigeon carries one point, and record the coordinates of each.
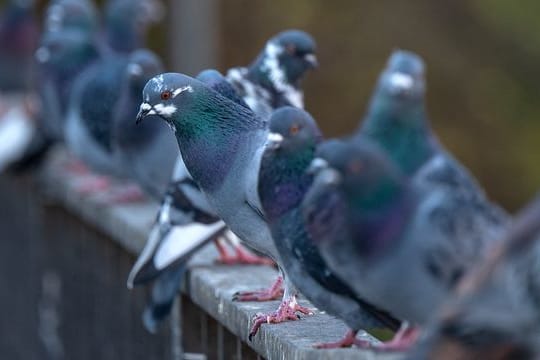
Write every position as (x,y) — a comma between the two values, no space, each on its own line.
(495,313)
(273,79)
(184,224)
(146,152)
(221,143)
(18,41)
(399,244)
(283,182)
(72,15)
(127,22)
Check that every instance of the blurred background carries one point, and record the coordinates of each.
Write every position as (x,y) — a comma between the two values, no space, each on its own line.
(482,58)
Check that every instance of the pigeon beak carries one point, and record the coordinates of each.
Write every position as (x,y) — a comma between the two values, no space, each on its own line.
(329,176)
(311,59)
(274,140)
(145,110)
(316,166)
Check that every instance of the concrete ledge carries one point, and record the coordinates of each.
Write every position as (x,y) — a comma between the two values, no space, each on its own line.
(208,285)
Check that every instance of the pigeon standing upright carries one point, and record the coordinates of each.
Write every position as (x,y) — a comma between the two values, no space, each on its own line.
(494,312)
(399,244)
(273,79)
(221,143)
(283,182)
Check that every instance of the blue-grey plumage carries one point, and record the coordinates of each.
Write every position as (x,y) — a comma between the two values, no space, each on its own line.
(221,143)
(72,15)
(495,310)
(284,180)
(397,244)
(127,22)
(147,152)
(274,78)
(18,40)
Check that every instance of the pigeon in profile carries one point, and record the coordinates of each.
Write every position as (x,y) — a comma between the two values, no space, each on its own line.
(221,143)
(494,313)
(72,15)
(283,182)
(146,152)
(399,244)
(273,79)
(184,224)
(127,23)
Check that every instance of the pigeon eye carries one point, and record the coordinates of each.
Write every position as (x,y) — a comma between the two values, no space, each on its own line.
(355,167)
(166,95)
(291,49)
(294,129)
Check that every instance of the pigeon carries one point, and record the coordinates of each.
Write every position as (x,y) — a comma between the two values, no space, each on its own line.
(127,22)
(147,152)
(411,243)
(72,15)
(18,41)
(283,182)
(494,313)
(273,79)
(221,143)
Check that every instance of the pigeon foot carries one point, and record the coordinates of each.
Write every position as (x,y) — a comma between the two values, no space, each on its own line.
(403,340)
(348,340)
(242,256)
(275,292)
(287,311)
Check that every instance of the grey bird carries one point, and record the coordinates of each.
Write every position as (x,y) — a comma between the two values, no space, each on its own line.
(399,244)
(221,143)
(274,78)
(494,312)
(284,179)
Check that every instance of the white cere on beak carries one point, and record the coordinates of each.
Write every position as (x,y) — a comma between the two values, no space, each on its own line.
(165,110)
(147,107)
(135,69)
(180,90)
(401,82)
(275,137)
(43,54)
(330,176)
(312,59)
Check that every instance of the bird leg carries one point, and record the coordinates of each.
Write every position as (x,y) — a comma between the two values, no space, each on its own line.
(275,292)
(403,340)
(286,311)
(242,256)
(348,340)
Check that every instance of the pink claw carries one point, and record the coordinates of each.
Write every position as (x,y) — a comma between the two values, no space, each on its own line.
(287,311)
(275,292)
(348,340)
(242,257)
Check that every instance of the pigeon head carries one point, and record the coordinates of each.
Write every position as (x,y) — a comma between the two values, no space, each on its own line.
(186,103)
(284,61)
(371,194)
(396,117)
(402,82)
(128,20)
(292,130)
(142,66)
(291,145)
(78,15)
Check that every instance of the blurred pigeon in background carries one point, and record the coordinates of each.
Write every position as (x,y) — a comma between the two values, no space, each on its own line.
(494,314)
(399,244)
(283,182)
(71,15)
(273,79)
(221,143)
(18,41)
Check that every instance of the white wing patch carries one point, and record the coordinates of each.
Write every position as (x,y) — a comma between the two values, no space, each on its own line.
(277,75)
(183,239)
